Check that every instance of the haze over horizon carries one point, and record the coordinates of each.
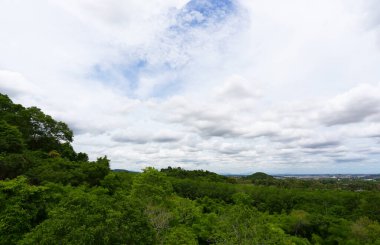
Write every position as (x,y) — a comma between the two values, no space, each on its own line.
(229,86)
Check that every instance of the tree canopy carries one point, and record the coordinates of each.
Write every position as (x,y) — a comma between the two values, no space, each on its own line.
(50,194)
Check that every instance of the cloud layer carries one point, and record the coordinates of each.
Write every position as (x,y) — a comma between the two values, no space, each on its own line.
(232,86)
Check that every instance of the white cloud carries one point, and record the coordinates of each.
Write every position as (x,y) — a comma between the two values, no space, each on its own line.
(356,105)
(290,88)
(162,136)
(15,84)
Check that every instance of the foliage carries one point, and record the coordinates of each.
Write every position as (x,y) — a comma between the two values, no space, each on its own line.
(37,130)
(10,139)
(92,217)
(181,235)
(260,178)
(49,194)
(194,174)
(151,187)
(22,207)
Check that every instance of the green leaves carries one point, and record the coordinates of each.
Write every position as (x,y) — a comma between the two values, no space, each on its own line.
(21,208)
(90,216)
(180,235)
(74,201)
(38,130)
(151,186)
(10,139)
(60,170)
(366,231)
(43,132)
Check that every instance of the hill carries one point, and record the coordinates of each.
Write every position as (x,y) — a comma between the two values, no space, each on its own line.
(259,176)
(50,194)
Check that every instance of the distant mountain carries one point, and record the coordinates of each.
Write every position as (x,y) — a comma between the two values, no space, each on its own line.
(124,170)
(259,176)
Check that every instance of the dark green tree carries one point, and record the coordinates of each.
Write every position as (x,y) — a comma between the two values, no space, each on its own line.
(90,216)
(11,140)
(22,207)
(39,131)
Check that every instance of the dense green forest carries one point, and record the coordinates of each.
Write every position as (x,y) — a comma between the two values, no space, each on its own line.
(50,194)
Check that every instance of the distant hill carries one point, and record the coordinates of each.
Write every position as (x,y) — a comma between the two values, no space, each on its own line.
(194,174)
(124,170)
(259,176)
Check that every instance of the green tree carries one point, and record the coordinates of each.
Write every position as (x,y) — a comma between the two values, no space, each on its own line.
(180,235)
(240,224)
(13,165)
(298,223)
(43,132)
(366,231)
(10,139)
(91,216)
(151,186)
(185,211)
(39,131)
(115,182)
(22,207)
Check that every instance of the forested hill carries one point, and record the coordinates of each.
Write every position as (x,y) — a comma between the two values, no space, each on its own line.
(35,145)
(50,194)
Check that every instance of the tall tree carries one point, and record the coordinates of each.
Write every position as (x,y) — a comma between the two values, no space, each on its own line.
(10,139)
(39,131)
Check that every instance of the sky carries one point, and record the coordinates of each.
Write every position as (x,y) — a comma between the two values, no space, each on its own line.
(229,86)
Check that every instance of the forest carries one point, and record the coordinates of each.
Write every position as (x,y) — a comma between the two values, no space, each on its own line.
(51,194)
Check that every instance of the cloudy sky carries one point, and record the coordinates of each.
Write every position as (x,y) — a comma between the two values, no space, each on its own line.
(231,86)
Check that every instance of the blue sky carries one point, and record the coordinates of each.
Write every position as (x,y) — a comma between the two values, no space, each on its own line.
(228,86)
(201,13)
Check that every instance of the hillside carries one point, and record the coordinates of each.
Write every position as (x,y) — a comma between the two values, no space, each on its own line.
(50,194)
